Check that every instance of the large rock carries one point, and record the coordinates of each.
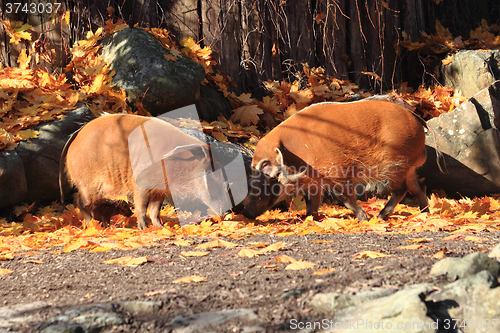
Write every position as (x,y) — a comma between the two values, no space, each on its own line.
(143,72)
(469,138)
(40,157)
(459,268)
(13,187)
(473,302)
(386,314)
(471,71)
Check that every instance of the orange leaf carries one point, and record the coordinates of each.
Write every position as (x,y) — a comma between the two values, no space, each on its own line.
(475,239)
(75,245)
(4,271)
(216,243)
(247,115)
(126,261)
(273,247)
(412,247)
(370,254)
(300,265)
(248,253)
(194,253)
(324,271)
(441,254)
(189,279)
(33,261)
(155,292)
(286,259)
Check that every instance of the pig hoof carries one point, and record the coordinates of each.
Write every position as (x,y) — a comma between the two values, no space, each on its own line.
(157,224)
(362,216)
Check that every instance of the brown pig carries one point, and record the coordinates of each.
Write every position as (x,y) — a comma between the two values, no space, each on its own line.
(339,147)
(118,154)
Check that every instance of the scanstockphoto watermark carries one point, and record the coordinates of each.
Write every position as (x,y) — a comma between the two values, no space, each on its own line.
(336,180)
(362,325)
(200,173)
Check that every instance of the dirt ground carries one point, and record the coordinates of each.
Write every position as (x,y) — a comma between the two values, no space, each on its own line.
(69,280)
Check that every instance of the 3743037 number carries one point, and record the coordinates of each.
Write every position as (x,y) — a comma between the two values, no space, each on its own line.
(32,8)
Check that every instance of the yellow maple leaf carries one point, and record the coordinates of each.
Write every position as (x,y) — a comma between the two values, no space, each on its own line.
(75,245)
(127,261)
(475,239)
(273,247)
(27,134)
(216,243)
(370,254)
(248,253)
(23,60)
(286,259)
(440,255)
(412,247)
(17,31)
(4,271)
(181,242)
(7,256)
(67,16)
(170,57)
(189,279)
(418,240)
(33,261)
(194,253)
(297,265)
(324,271)
(247,115)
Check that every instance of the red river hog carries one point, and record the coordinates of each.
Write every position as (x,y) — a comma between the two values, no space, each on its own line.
(339,147)
(118,154)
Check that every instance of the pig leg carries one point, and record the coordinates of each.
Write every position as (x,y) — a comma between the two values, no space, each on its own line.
(396,197)
(313,200)
(418,190)
(154,209)
(84,204)
(351,203)
(141,200)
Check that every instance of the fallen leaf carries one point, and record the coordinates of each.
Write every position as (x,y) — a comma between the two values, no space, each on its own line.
(127,261)
(248,253)
(300,265)
(189,279)
(155,292)
(273,247)
(378,267)
(285,259)
(216,243)
(8,256)
(370,254)
(33,261)
(181,242)
(475,239)
(257,245)
(418,240)
(194,253)
(453,237)
(412,247)
(324,271)
(4,271)
(440,255)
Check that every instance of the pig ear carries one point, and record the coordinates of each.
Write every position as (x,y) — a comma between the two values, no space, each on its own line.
(200,152)
(265,166)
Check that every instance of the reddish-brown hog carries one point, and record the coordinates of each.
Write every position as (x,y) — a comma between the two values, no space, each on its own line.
(98,164)
(338,147)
